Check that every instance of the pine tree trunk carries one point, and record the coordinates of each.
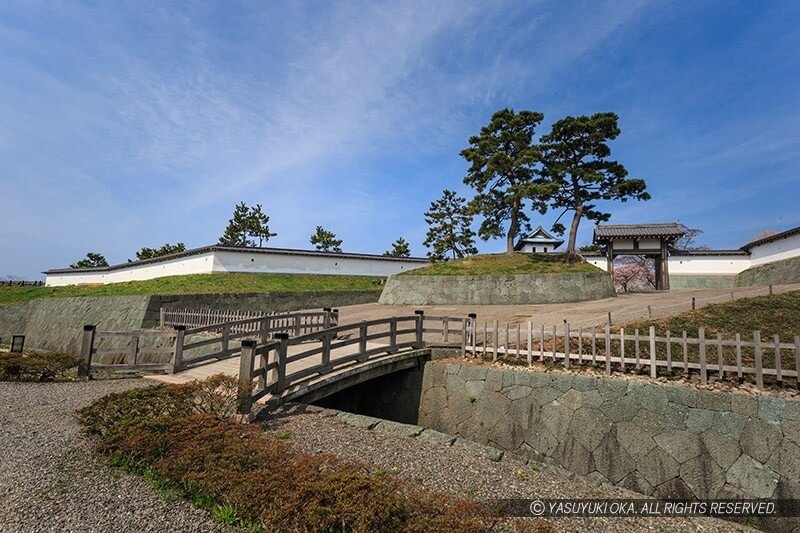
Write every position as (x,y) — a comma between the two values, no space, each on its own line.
(512,228)
(573,229)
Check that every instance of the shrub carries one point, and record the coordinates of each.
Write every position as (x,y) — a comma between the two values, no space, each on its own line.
(38,366)
(244,476)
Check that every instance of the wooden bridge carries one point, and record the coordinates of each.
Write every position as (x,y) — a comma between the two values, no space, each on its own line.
(280,357)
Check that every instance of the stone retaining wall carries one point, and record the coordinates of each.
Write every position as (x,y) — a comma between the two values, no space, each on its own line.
(56,323)
(700,281)
(671,441)
(777,273)
(478,290)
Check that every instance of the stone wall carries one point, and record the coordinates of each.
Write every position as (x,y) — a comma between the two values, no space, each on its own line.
(277,301)
(671,441)
(477,290)
(700,281)
(56,323)
(777,273)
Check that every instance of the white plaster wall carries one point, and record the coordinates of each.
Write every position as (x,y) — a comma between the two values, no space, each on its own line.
(307,264)
(527,248)
(197,264)
(776,250)
(599,262)
(708,264)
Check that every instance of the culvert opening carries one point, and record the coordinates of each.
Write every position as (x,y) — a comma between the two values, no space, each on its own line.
(395,397)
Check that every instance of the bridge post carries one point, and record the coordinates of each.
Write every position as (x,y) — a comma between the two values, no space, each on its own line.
(244,404)
(264,330)
(419,326)
(87,346)
(326,352)
(177,350)
(297,326)
(393,335)
(326,320)
(362,342)
(283,347)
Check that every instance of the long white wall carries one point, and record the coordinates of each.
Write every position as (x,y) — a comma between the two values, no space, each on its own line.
(708,264)
(222,261)
(197,264)
(309,264)
(776,250)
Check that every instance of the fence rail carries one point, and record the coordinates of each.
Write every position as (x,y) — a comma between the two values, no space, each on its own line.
(740,357)
(20,283)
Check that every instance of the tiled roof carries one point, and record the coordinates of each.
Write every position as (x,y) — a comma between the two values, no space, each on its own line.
(622,231)
(776,237)
(235,249)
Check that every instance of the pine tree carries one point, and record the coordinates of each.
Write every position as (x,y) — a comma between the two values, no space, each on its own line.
(400,248)
(247,222)
(167,249)
(449,231)
(92,260)
(326,241)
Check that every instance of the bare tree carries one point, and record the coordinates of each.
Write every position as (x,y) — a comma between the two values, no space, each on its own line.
(763,234)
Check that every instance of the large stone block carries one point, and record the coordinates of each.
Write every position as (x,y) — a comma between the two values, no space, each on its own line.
(760,439)
(681,445)
(611,459)
(704,476)
(752,477)
(657,466)
(724,450)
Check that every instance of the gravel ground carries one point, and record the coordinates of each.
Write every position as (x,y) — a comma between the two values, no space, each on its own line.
(49,480)
(454,470)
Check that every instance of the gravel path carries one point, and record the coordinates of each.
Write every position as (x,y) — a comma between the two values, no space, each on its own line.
(49,481)
(457,471)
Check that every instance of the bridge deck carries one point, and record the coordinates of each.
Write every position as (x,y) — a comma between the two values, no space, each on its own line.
(231,366)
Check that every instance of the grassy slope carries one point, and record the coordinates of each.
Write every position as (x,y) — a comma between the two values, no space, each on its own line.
(772,315)
(200,284)
(498,264)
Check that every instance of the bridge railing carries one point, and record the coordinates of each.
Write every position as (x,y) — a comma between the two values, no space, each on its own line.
(260,328)
(269,362)
(169,351)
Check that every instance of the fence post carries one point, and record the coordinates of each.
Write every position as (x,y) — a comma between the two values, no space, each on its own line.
(694,303)
(778,362)
(757,355)
(622,349)
(177,349)
(608,349)
(473,331)
(445,329)
(463,338)
(685,348)
(133,350)
(701,339)
(283,347)
(264,330)
(326,320)
(297,331)
(334,318)
(566,345)
(649,313)
(652,351)
(226,334)
(87,346)
(245,389)
(770,289)
(496,339)
(161,316)
(530,343)
(420,343)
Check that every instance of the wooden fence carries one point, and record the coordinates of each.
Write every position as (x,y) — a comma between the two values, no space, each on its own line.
(20,283)
(169,351)
(741,357)
(200,318)
(387,336)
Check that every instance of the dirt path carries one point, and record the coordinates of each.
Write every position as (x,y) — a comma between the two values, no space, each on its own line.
(624,308)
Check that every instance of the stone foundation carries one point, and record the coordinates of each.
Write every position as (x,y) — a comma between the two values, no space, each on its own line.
(482,290)
(670,441)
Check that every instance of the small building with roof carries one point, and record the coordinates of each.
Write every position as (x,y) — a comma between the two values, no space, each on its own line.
(538,241)
(688,268)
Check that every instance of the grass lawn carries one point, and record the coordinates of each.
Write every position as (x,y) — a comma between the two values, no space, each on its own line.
(199,284)
(499,264)
(772,315)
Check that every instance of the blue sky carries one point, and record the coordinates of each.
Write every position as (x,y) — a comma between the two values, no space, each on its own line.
(132,124)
